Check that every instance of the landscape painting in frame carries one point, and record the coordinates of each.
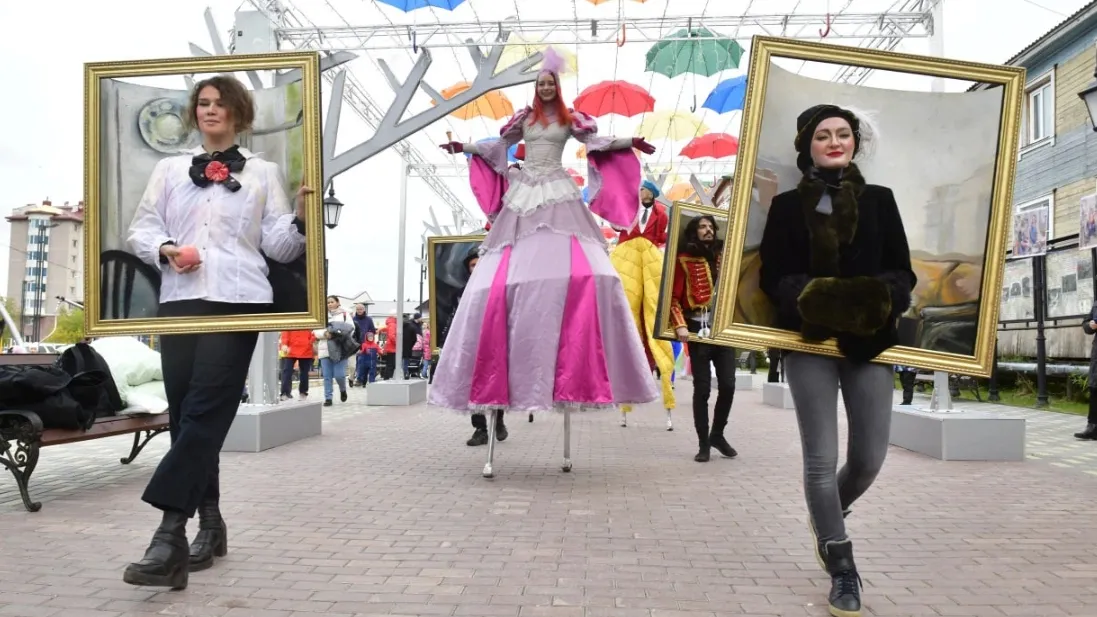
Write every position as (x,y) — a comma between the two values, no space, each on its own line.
(450,262)
(135,117)
(949,158)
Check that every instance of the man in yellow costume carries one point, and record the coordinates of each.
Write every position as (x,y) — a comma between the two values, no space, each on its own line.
(638,258)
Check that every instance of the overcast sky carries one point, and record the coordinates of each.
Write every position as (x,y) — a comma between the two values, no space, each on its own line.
(47,42)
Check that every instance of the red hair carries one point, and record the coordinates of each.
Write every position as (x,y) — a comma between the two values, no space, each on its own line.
(540,114)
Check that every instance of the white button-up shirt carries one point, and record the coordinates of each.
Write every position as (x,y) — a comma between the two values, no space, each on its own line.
(228,229)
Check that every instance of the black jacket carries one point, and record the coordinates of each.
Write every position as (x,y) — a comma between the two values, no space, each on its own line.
(847,275)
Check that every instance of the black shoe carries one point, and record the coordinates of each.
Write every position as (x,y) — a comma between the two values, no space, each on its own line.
(1089,434)
(845,583)
(501,433)
(211,540)
(327,402)
(703,455)
(722,446)
(343,396)
(166,561)
(479,438)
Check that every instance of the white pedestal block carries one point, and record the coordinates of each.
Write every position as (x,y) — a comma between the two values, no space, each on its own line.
(394,393)
(744,381)
(262,427)
(777,395)
(958,435)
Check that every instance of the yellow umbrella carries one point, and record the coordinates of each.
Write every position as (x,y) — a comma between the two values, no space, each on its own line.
(494,104)
(518,49)
(673,125)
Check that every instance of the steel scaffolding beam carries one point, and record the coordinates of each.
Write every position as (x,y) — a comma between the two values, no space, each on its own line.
(355,95)
(842,26)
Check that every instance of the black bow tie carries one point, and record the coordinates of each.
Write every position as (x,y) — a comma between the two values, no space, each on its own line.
(207,169)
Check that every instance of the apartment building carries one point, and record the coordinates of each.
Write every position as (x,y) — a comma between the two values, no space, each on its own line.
(45,260)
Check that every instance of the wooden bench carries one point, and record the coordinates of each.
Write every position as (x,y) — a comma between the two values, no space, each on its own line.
(22,435)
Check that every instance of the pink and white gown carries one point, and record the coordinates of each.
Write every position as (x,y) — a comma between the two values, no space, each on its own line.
(543,322)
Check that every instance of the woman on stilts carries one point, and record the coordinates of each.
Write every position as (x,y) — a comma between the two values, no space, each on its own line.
(544,323)
(836,263)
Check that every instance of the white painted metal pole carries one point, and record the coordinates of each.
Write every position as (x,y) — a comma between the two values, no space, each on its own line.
(937,42)
(402,243)
(263,374)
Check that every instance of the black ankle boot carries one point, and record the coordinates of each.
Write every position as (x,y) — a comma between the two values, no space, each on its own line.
(703,451)
(845,583)
(211,540)
(1090,433)
(722,446)
(165,563)
(479,438)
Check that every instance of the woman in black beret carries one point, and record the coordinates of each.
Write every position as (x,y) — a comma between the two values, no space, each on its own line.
(836,264)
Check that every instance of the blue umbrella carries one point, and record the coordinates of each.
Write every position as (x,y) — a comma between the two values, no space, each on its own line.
(728,95)
(512,153)
(586,194)
(411,5)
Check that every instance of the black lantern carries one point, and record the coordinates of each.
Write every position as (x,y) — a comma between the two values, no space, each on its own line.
(332,209)
(1089,97)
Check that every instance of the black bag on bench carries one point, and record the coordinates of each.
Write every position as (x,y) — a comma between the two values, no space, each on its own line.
(98,390)
(61,401)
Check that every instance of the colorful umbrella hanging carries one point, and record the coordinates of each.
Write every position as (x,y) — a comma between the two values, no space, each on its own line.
(682,191)
(494,104)
(704,53)
(614,97)
(581,153)
(672,125)
(728,95)
(411,5)
(713,145)
(518,49)
(577,177)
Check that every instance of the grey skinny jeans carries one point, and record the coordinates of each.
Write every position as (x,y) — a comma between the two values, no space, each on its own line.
(867,389)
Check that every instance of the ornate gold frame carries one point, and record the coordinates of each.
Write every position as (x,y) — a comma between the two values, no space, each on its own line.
(1012,80)
(308,63)
(432,304)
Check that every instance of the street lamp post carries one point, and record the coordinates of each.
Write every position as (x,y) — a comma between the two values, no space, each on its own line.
(333,208)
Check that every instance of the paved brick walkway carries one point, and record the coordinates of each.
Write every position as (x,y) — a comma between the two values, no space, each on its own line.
(387,514)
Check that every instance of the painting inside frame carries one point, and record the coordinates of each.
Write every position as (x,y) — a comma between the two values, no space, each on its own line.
(137,117)
(680,251)
(450,262)
(945,156)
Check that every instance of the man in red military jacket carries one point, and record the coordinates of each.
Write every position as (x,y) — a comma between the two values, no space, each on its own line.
(696,271)
(638,259)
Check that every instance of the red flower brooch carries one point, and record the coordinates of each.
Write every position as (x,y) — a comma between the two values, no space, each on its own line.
(216,171)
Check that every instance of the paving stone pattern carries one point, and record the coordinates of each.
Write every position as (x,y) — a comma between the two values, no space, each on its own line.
(386,514)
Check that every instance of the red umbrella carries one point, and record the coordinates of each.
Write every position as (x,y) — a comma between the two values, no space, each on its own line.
(614,97)
(609,233)
(576,176)
(715,145)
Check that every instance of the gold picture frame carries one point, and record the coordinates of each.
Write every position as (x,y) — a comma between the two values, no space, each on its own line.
(735,326)
(117,121)
(444,254)
(680,214)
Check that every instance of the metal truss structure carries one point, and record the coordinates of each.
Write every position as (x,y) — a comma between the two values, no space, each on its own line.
(294,30)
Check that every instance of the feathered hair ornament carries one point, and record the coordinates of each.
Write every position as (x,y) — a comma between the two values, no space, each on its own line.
(552,61)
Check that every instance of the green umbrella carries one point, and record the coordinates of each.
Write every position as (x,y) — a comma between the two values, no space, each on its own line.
(704,53)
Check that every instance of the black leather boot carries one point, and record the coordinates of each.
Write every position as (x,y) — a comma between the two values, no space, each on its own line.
(165,563)
(211,540)
(845,583)
(1090,432)
(704,451)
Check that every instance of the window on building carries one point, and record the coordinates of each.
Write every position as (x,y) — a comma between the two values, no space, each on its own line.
(1039,118)
(74,244)
(74,259)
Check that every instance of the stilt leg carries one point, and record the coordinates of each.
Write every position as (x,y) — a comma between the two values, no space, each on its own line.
(670,424)
(567,439)
(489,469)
(625,410)
(531,416)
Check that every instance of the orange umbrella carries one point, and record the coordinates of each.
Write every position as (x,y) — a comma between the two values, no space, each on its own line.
(682,191)
(581,153)
(494,104)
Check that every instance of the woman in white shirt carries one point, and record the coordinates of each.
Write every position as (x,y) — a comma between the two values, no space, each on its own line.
(232,207)
(331,351)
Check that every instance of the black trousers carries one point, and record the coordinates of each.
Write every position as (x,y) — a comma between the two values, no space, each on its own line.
(702,356)
(907,379)
(1092,406)
(390,366)
(480,421)
(304,367)
(204,375)
(774,356)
